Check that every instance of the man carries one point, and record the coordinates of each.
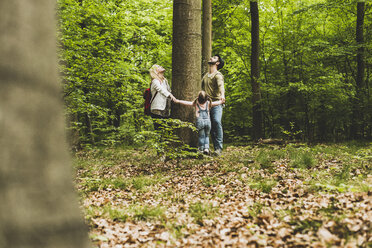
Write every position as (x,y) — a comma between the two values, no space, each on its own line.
(213,85)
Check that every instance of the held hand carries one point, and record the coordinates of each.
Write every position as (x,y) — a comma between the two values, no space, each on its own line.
(173,98)
(223,100)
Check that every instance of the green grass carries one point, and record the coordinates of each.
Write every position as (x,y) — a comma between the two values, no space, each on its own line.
(303,160)
(210,181)
(200,211)
(140,183)
(264,185)
(107,211)
(148,212)
(255,209)
(133,212)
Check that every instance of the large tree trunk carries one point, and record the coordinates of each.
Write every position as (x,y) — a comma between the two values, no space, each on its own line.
(255,73)
(186,60)
(207,34)
(39,207)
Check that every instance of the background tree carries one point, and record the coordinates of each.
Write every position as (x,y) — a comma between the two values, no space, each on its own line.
(38,204)
(255,72)
(186,60)
(357,128)
(206,34)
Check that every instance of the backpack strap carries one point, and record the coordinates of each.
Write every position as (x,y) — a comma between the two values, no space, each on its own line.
(197,104)
(152,99)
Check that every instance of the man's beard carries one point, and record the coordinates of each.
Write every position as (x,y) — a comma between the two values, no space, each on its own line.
(212,63)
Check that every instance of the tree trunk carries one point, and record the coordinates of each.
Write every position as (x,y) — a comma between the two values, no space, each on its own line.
(207,34)
(356,128)
(255,73)
(39,207)
(186,60)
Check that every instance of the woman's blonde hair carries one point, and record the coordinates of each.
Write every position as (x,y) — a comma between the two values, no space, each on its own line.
(154,72)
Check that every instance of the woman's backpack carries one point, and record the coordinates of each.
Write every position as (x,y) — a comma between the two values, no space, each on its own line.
(148,100)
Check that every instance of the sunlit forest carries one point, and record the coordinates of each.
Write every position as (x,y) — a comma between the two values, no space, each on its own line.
(296,166)
(314,87)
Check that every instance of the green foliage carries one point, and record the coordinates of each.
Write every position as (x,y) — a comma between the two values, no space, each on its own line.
(168,143)
(105,53)
(303,160)
(148,212)
(307,57)
(255,209)
(210,181)
(263,184)
(200,211)
(91,184)
(308,67)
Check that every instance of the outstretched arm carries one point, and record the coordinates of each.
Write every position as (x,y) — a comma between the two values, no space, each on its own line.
(219,102)
(187,103)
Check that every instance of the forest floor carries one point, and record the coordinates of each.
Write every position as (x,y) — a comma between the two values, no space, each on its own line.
(251,196)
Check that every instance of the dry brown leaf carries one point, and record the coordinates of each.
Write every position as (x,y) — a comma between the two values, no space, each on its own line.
(327,236)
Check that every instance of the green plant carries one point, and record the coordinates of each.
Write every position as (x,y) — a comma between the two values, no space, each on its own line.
(291,134)
(147,212)
(209,181)
(255,209)
(176,230)
(141,182)
(306,225)
(200,211)
(168,143)
(263,185)
(303,160)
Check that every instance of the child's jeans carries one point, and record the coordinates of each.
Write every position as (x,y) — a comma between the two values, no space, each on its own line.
(204,127)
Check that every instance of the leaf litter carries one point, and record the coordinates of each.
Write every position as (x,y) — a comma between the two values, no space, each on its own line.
(235,200)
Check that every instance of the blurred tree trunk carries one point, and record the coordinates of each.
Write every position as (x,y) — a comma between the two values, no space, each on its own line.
(358,120)
(39,207)
(207,34)
(255,73)
(186,60)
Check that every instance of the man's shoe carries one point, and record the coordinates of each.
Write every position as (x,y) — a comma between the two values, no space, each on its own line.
(206,151)
(218,152)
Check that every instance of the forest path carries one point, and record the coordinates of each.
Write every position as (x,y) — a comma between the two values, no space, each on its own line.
(267,196)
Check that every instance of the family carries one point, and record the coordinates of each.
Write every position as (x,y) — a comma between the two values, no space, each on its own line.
(208,105)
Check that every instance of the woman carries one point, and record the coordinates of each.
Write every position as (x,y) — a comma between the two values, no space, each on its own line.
(161,94)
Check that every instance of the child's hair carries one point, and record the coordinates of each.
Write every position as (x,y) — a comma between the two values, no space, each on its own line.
(202,97)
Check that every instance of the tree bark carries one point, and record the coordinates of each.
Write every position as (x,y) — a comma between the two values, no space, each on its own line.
(255,73)
(186,60)
(39,207)
(358,116)
(207,34)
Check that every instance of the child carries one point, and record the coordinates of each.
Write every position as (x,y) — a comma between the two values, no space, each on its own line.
(202,105)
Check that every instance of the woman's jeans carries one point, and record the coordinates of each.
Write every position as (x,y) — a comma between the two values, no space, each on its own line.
(204,127)
(216,131)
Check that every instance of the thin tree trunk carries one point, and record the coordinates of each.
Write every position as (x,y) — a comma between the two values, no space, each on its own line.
(255,73)
(357,127)
(207,34)
(360,40)
(38,205)
(186,60)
